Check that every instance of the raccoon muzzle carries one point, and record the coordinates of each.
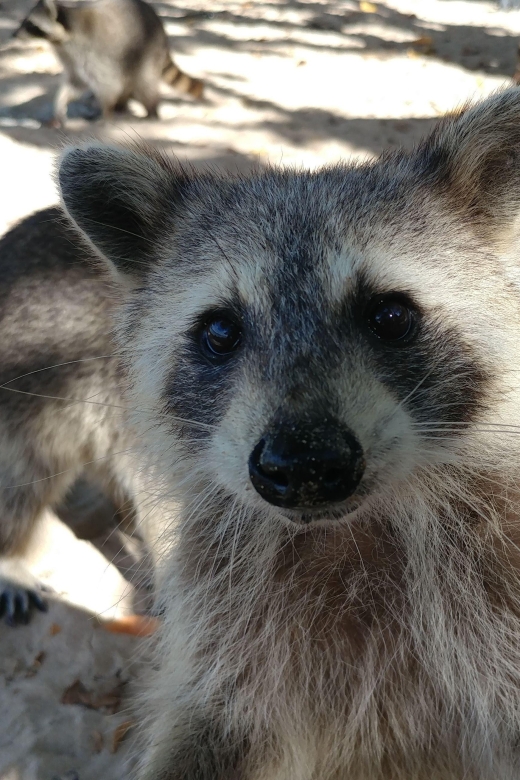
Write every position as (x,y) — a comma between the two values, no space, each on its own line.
(303,465)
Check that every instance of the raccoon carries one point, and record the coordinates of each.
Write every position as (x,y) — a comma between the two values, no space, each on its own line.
(118,49)
(61,407)
(320,372)
(323,371)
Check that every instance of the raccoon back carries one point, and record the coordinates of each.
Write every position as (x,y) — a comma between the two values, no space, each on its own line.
(126,32)
(54,300)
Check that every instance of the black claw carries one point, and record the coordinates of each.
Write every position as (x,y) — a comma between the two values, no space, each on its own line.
(22,604)
(10,602)
(37,601)
(16,605)
(45,589)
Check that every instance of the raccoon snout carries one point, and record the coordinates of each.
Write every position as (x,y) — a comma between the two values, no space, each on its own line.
(301,466)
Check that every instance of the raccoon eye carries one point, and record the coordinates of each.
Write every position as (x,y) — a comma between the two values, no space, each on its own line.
(221,336)
(390,318)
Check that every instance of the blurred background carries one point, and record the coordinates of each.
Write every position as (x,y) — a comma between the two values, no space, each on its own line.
(292,81)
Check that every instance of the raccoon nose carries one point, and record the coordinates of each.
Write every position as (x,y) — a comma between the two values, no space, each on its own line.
(302,466)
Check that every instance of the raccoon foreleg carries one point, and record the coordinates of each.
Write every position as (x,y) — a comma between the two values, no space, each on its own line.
(67,91)
(28,486)
(20,591)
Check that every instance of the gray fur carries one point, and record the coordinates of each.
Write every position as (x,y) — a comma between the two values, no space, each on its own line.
(116,48)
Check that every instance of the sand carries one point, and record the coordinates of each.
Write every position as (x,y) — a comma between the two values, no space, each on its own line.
(296,82)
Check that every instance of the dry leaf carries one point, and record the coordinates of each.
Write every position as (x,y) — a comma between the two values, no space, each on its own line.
(367,8)
(424,40)
(136,625)
(110,701)
(54,629)
(120,733)
(98,741)
(35,666)
(426,44)
(78,694)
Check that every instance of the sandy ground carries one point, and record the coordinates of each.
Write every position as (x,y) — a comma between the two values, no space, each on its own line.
(299,82)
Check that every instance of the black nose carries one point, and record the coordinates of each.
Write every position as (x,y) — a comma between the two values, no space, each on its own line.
(303,465)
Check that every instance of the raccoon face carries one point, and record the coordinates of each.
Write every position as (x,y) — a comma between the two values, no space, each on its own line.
(316,365)
(310,342)
(43,21)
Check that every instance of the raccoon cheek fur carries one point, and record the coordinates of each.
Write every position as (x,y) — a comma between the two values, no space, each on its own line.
(329,359)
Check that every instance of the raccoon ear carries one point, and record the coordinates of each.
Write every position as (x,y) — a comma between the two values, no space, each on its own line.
(50,7)
(122,200)
(474,159)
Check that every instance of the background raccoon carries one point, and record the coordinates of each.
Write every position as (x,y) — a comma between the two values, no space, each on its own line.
(326,368)
(116,48)
(61,406)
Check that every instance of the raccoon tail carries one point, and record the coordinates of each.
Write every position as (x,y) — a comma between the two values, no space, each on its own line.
(177,78)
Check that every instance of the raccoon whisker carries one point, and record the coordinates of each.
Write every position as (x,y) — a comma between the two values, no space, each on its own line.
(142,519)
(461,423)
(121,549)
(66,471)
(73,400)
(221,249)
(187,479)
(470,503)
(124,517)
(469,499)
(167,526)
(362,562)
(438,384)
(222,535)
(128,232)
(195,424)
(236,534)
(439,406)
(412,392)
(480,428)
(401,403)
(221,532)
(476,472)
(441,425)
(436,423)
(191,508)
(56,365)
(474,429)
(200,499)
(126,590)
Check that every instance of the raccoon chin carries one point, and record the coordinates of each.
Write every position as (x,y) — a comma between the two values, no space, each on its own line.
(333,515)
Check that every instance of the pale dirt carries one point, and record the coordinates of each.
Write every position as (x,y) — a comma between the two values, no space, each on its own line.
(298,83)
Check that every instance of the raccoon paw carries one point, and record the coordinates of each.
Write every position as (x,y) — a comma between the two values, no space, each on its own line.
(17,603)
(20,592)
